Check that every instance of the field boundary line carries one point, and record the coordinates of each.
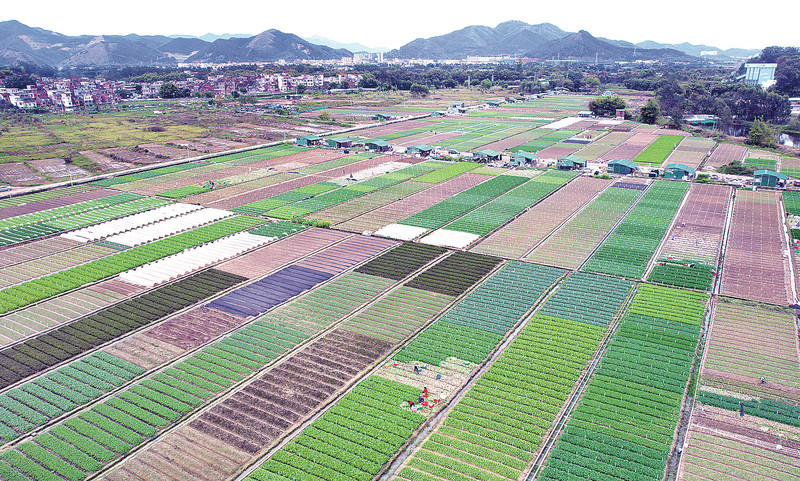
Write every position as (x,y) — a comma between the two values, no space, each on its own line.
(222,395)
(613,228)
(566,221)
(689,399)
(106,395)
(518,215)
(292,433)
(401,457)
(562,417)
(653,258)
(723,248)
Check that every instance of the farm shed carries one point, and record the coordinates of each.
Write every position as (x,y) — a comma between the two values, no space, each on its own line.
(523,157)
(678,171)
(382,117)
(338,142)
(769,178)
(487,155)
(308,140)
(421,149)
(570,162)
(378,145)
(623,167)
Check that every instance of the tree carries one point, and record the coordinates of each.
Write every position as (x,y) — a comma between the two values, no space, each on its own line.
(324,116)
(607,105)
(671,100)
(761,134)
(123,94)
(301,88)
(418,90)
(368,82)
(19,81)
(169,90)
(485,85)
(649,113)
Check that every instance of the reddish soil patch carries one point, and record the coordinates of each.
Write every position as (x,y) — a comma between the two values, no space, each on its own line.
(296,387)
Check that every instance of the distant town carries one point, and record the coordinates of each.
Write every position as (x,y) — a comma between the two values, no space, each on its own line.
(69,94)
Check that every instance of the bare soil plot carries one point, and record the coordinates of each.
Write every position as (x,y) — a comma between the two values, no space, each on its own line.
(748,341)
(261,261)
(385,129)
(57,168)
(557,151)
(691,151)
(754,266)
(697,232)
(18,173)
(724,154)
(105,163)
(720,445)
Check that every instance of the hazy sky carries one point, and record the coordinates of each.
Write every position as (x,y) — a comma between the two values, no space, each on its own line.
(393,23)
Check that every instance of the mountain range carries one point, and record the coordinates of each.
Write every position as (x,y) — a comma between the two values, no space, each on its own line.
(21,44)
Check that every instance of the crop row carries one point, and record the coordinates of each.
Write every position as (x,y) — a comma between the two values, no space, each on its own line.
(338,196)
(258,155)
(496,428)
(670,304)
(44,195)
(476,324)
(67,341)
(497,212)
(33,231)
(624,424)
(683,273)
(628,250)
(123,422)
(35,403)
(42,288)
(353,439)
(447,172)
(401,261)
(546,140)
(440,214)
(791,201)
(261,206)
(588,298)
(147,174)
(278,229)
(764,408)
(341,162)
(455,274)
(659,150)
(65,211)
(371,201)
(181,192)
(588,227)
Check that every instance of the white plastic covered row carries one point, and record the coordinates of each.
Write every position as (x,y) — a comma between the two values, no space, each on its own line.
(190,260)
(169,227)
(124,224)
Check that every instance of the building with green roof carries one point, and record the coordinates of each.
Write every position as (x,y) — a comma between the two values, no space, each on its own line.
(769,178)
(623,167)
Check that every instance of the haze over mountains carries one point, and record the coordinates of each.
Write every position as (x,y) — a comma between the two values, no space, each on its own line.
(20,43)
